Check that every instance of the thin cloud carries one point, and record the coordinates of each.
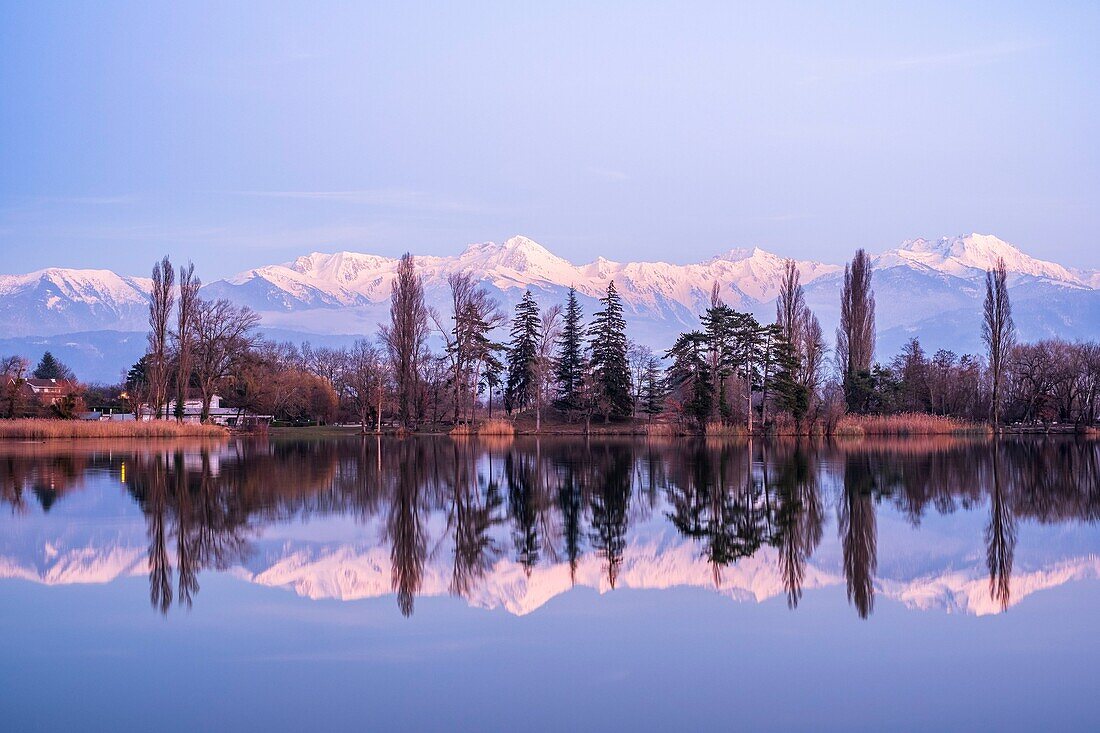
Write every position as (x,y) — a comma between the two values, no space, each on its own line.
(382,198)
(867,67)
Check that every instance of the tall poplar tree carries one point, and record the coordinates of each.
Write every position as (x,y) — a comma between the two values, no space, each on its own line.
(160,314)
(998,331)
(855,337)
(406,338)
(185,333)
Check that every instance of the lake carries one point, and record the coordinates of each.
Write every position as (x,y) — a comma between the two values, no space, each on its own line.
(550,584)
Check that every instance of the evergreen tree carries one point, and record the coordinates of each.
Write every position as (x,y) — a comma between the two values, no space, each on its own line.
(653,389)
(522,355)
(790,393)
(570,372)
(491,372)
(750,356)
(722,353)
(689,374)
(609,364)
(50,368)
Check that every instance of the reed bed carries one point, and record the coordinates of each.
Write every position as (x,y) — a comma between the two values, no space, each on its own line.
(663,430)
(855,426)
(496,427)
(38,429)
(487,427)
(718,429)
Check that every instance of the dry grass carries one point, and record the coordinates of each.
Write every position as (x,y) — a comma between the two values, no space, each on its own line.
(663,430)
(34,429)
(496,427)
(855,426)
(487,427)
(716,429)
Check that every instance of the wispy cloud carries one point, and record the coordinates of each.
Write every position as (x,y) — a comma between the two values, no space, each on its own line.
(953,58)
(37,202)
(382,198)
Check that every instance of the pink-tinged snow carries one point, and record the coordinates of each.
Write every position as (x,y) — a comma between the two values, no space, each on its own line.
(745,276)
(86,286)
(520,263)
(359,570)
(972,255)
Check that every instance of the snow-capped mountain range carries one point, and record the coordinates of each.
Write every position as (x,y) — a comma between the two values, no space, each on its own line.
(927,288)
(655,558)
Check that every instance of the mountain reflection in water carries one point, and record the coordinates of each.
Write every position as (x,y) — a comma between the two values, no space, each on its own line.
(512,523)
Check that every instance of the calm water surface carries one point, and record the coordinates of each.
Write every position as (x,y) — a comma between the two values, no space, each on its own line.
(553,584)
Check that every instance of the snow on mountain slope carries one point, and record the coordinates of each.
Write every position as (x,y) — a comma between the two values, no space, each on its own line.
(56,300)
(970,256)
(917,285)
(359,570)
(350,279)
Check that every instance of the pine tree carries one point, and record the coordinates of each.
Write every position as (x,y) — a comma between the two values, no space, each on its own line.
(50,368)
(689,374)
(749,337)
(653,389)
(522,355)
(790,393)
(609,364)
(570,372)
(722,353)
(491,372)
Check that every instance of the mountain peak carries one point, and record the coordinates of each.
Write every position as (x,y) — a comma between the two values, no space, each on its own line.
(518,253)
(968,255)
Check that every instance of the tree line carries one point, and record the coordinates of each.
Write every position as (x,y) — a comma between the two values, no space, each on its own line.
(730,374)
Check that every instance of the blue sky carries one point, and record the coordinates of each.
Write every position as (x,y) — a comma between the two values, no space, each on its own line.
(240,134)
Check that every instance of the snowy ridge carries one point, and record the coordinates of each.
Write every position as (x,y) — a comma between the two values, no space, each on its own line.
(922,284)
(90,286)
(348,278)
(972,255)
(354,571)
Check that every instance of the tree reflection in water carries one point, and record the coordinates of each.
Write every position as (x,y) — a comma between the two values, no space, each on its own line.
(858,532)
(551,501)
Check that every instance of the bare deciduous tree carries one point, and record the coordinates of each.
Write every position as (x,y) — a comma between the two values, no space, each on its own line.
(998,331)
(790,305)
(544,367)
(160,313)
(223,336)
(185,333)
(641,358)
(855,337)
(406,337)
(13,373)
(474,315)
(364,378)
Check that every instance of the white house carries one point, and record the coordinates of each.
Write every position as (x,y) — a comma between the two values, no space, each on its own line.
(192,413)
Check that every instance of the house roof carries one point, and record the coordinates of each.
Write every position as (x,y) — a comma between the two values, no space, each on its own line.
(49,383)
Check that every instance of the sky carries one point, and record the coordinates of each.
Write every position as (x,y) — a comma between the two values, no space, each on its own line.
(241,134)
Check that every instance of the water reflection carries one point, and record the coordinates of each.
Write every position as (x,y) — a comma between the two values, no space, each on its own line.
(459,515)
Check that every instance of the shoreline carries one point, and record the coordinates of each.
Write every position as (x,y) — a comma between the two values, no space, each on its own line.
(43,429)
